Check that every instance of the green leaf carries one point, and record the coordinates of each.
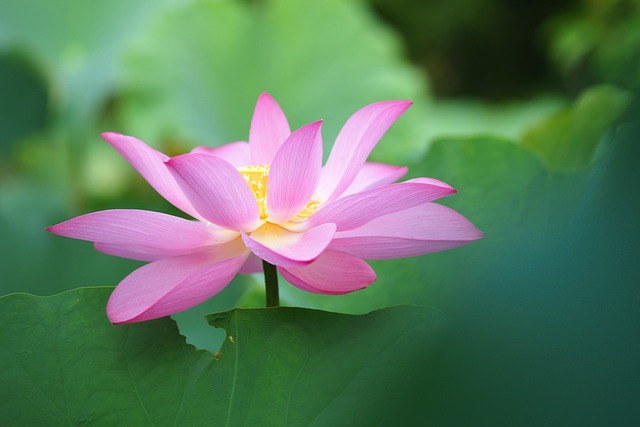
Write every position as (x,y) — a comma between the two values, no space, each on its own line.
(63,363)
(198,72)
(305,367)
(473,117)
(190,321)
(567,140)
(543,312)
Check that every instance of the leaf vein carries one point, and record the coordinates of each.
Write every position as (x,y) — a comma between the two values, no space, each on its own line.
(295,381)
(235,370)
(133,382)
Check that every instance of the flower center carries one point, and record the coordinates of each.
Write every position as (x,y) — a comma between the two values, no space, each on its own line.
(256,177)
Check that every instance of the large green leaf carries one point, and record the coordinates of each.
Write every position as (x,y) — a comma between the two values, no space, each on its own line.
(198,72)
(459,118)
(63,363)
(190,321)
(544,310)
(567,140)
(304,367)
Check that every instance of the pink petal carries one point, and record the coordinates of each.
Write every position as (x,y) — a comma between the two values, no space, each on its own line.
(416,231)
(170,285)
(357,209)
(217,191)
(355,141)
(124,226)
(374,175)
(285,248)
(294,173)
(236,153)
(269,129)
(252,265)
(147,253)
(139,252)
(333,273)
(151,165)
(141,235)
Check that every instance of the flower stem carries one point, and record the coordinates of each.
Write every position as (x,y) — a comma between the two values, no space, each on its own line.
(271,284)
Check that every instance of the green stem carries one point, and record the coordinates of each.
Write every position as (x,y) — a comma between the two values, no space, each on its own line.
(271,284)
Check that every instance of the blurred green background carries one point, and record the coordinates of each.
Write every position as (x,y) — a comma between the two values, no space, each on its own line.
(530,109)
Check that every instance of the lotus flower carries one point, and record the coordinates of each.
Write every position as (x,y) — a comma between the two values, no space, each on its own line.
(269,199)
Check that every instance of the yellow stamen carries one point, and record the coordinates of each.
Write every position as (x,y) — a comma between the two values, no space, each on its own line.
(256,177)
(308,210)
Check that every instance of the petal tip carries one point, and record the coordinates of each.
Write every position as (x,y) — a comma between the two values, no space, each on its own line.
(477,235)
(173,162)
(401,170)
(370,279)
(434,182)
(116,321)
(56,229)
(401,104)
(315,125)
(399,107)
(113,315)
(407,103)
(119,314)
(107,136)
(265,95)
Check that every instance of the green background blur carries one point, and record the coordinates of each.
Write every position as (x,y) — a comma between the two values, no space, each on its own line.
(528,108)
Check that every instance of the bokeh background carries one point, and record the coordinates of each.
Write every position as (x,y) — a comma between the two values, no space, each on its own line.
(530,109)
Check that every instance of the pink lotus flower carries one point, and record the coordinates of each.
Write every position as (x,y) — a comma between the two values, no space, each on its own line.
(269,199)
